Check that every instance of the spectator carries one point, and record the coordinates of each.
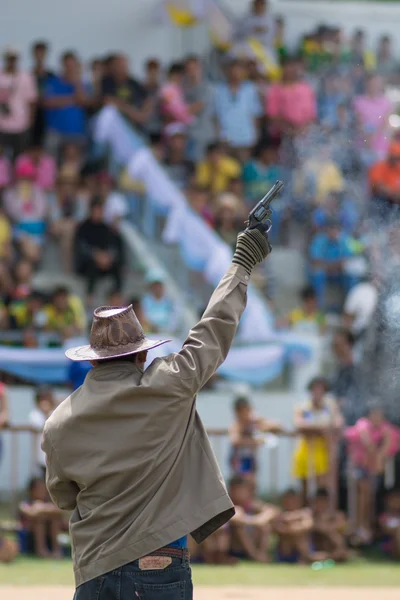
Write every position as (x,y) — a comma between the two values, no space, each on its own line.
(98,250)
(18,96)
(261,173)
(65,100)
(26,205)
(360,306)
(29,314)
(124,92)
(4,414)
(307,318)
(328,252)
(329,527)
(280,39)
(293,526)
(237,111)
(152,85)
(42,75)
(317,421)
(228,218)
(199,199)
(371,441)
(359,55)
(65,314)
(217,169)
(41,521)
(334,206)
(319,176)
(115,205)
(159,310)
(291,104)
(251,525)
(5,170)
(390,524)
(384,179)
(215,550)
(372,111)
(387,65)
(65,213)
(5,236)
(178,166)
(43,164)
(198,95)
(259,24)
(72,161)
(137,307)
(44,406)
(22,280)
(173,105)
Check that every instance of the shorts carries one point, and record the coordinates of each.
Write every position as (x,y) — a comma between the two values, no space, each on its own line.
(311,457)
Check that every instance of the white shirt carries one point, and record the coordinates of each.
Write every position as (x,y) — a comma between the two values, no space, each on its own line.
(37,420)
(361,302)
(115,207)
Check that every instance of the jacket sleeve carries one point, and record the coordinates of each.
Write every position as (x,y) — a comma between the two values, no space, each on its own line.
(208,343)
(62,491)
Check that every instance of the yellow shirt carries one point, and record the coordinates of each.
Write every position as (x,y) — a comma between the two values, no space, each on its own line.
(5,235)
(217,177)
(74,315)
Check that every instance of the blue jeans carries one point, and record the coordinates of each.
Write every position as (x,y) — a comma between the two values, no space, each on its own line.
(168,578)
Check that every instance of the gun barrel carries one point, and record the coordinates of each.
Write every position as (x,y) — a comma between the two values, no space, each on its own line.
(273,192)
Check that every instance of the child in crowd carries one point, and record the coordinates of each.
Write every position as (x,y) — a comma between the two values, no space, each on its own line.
(245,438)
(371,442)
(41,522)
(293,526)
(307,318)
(329,527)
(390,523)
(317,421)
(44,406)
(215,550)
(43,164)
(251,525)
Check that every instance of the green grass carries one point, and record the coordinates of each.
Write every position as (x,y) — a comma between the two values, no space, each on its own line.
(27,571)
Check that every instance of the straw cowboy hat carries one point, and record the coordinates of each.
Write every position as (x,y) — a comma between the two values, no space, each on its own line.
(115,332)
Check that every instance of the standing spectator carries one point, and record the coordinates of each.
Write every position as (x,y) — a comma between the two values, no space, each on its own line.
(158,308)
(173,104)
(360,306)
(152,85)
(42,75)
(316,421)
(65,101)
(372,111)
(115,205)
(387,65)
(217,169)
(98,251)
(290,104)
(126,93)
(259,24)
(384,179)
(44,406)
(198,95)
(18,96)
(4,415)
(178,166)
(237,110)
(42,163)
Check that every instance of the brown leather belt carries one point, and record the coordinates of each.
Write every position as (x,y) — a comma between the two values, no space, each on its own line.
(171,551)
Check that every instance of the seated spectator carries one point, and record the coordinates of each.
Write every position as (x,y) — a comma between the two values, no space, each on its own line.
(22,280)
(72,160)
(217,169)
(199,97)
(65,314)
(319,176)
(173,104)
(45,405)
(152,84)
(293,526)
(66,211)
(178,166)
(126,93)
(261,173)
(5,235)
(5,169)
(328,253)
(372,111)
(98,250)
(317,421)
(384,179)
(115,205)
(360,306)
(65,101)
(329,527)
(390,524)
(43,164)
(26,205)
(8,550)
(28,314)
(18,96)
(307,318)
(344,210)
(159,310)
(245,437)
(199,199)
(371,441)
(290,104)
(228,218)
(41,521)
(252,524)
(237,110)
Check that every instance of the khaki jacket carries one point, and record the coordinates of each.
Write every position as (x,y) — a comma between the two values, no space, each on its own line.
(128,453)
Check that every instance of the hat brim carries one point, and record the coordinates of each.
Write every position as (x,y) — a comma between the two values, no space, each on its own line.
(87,353)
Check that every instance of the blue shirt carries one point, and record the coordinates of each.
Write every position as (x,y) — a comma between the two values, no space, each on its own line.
(69,119)
(181,543)
(326,249)
(259,179)
(77,373)
(236,113)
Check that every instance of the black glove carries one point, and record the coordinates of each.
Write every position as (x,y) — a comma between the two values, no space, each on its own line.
(252,247)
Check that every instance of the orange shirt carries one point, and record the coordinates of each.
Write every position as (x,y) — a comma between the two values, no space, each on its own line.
(385,174)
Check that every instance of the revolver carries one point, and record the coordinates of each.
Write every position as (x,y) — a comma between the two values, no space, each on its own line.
(261,213)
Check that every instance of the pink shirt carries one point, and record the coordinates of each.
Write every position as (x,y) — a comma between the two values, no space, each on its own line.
(294,102)
(45,170)
(17,91)
(373,114)
(357,449)
(174,105)
(5,172)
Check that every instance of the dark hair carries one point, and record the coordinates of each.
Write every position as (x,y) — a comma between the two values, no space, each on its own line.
(318,381)
(33,482)
(289,492)
(155,138)
(308,293)
(153,63)
(236,481)
(213,147)
(176,69)
(192,58)
(241,402)
(61,289)
(40,45)
(322,493)
(42,390)
(346,333)
(96,202)
(68,54)
(35,295)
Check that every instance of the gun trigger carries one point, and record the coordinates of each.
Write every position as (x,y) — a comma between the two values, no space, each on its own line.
(268,224)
